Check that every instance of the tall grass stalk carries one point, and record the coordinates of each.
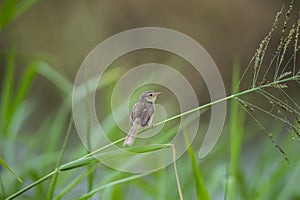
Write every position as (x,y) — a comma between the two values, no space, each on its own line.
(59,161)
(201,191)
(236,136)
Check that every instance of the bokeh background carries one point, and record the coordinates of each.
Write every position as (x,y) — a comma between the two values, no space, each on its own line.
(62,33)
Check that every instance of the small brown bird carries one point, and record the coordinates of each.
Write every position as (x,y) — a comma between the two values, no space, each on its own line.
(141,115)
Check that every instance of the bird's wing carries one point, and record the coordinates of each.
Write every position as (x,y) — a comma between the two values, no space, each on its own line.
(132,114)
(146,115)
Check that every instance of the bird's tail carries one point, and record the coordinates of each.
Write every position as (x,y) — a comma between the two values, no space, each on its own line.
(132,133)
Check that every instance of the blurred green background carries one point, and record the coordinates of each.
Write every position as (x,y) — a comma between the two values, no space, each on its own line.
(41,50)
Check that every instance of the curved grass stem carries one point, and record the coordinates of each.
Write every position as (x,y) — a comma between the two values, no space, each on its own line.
(32,185)
(271,84)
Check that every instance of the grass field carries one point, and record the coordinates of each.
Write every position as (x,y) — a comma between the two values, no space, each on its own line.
(256,157)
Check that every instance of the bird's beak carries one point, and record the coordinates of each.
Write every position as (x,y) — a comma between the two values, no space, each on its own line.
(157,93)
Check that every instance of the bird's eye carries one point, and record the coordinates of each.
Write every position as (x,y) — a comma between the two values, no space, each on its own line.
(150,94)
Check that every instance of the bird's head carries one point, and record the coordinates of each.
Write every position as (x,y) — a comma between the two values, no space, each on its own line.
(149,96)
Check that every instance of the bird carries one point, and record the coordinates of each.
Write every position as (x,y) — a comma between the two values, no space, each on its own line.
(141,115)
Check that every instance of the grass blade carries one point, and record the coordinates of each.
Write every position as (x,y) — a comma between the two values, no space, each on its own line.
(201,191)
(2,194)
(18,193)
(4,164)
(69,187)
(55,77)
(78,163)
(25,84)
(236,131)
(23,6)
(85,161)
(54,179)
(7,12)
(7,96)
(90,194)
(90,178)
(11,9)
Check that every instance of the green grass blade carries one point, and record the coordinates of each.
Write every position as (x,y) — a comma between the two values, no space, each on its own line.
(24,85)
(81,162)
(85,161)
(23,6)
(201,191)
(116,192)
(54,178)
(2,191)
(4,164)
(108,185)
(55,77)
(90,178)
(75,182)
(61,116)
(11,9)
(268,188)
(56,129)
(7,95)
(237,117)
(18,193)
(161,183)
(18,108)
(147,148)
(7,12)
(293,179)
